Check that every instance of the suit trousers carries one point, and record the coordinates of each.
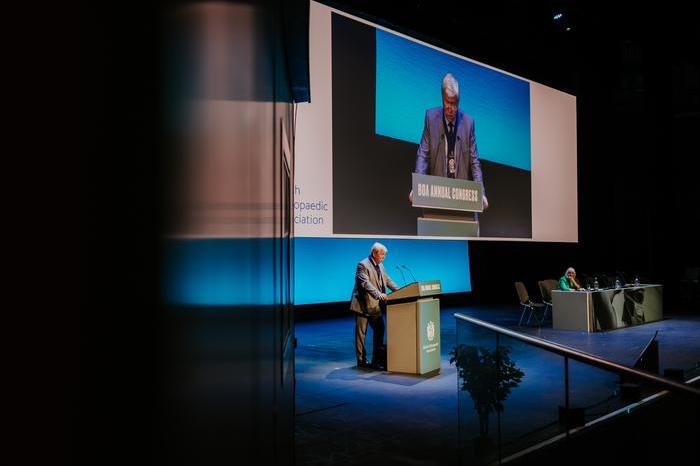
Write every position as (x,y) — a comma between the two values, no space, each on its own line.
(377,324)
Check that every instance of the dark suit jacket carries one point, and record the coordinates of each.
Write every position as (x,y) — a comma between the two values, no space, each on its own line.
(365,294)
(431,158)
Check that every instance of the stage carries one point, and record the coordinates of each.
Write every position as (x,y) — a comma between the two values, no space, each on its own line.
(346,415)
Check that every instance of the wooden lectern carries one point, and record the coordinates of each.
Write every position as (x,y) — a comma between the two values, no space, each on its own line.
(448,205)
(413,328)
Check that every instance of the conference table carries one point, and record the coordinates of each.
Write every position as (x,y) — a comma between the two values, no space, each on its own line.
(606,308)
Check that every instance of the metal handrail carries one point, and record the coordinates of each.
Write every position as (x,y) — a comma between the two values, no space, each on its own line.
(586,358)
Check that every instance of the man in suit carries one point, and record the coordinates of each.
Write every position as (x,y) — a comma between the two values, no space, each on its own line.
(368,302)
(448,146)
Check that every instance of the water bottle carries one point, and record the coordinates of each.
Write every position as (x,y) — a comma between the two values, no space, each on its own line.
(595,283)
(618,285)
(636,281)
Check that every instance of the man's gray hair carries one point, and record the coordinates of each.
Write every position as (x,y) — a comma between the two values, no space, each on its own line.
(570,269)
(377,247)
(450,86)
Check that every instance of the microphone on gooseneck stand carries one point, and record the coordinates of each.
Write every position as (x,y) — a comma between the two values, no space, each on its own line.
(402,277)
(409,271)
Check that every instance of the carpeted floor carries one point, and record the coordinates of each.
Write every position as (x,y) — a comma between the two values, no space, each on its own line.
(351,416)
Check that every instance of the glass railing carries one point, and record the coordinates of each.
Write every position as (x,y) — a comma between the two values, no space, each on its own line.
(518,393)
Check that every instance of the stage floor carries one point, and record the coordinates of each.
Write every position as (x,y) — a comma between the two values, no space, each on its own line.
(346,415)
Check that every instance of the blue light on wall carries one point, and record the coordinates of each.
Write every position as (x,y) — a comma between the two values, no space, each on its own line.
(325,267)
(408,80)
(234,272)
(219,272)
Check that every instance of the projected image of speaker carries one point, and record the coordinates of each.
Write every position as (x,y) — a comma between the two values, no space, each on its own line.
(425,112)
(388,107)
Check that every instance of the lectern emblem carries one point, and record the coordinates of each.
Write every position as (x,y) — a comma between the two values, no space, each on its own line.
(430,330)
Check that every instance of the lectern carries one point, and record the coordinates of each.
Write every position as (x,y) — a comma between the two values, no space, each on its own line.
(448,205)
(413,328)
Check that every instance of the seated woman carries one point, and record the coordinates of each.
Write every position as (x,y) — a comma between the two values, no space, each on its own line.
(568,281)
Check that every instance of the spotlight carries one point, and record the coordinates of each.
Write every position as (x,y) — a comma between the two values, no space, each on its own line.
(558,16)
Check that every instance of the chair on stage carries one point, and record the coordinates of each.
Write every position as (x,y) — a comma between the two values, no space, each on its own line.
(526,304)
(546,287)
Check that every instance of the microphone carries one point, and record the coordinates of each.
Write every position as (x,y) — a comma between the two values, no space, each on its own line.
(409,271)
(402,277)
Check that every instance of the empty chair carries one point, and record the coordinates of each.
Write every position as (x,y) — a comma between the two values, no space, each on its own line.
(526,304)
(546,287)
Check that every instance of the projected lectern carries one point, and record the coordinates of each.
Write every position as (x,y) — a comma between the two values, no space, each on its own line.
(413,328)
(448,205)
